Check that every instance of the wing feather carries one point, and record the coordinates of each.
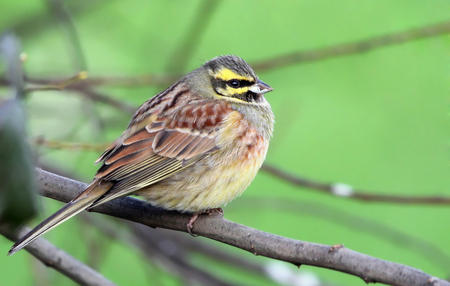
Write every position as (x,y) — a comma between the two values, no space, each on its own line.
(124,151)
(168,143)
(138,136)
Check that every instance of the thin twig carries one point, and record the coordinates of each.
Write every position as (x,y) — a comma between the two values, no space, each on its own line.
(56,258)
(152,247)
(184,50)
(32,24)
(96,248)
(78,84)
(194,245)
(100,97)
(352,48)
(113,231)
(125,81)
(60,84)
(59,10)
(90,94)
(347,191)
(370,269)
(54,144)
(62,14)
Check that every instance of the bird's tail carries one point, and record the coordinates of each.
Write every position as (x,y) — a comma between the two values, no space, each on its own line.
(95,191)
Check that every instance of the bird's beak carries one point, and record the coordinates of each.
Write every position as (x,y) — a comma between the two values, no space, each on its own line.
(260,87)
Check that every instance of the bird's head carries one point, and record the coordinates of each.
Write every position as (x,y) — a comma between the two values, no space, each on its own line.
(232,79)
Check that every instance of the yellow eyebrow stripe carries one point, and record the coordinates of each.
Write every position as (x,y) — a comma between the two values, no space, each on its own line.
(227,74)
(229,91)
(241,90)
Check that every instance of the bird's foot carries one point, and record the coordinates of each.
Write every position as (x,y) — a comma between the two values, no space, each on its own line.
(195,216)
(191,222)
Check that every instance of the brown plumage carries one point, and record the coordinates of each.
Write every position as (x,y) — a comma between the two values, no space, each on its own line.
(193,147)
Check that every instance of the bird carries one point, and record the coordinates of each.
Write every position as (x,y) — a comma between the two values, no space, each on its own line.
(192,148)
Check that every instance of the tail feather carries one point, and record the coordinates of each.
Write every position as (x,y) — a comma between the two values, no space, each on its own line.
(77,205)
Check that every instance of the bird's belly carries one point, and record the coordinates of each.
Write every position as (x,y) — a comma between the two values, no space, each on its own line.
(210,183)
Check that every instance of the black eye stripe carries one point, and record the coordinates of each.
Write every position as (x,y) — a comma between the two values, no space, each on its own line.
(248,96)
(234,83)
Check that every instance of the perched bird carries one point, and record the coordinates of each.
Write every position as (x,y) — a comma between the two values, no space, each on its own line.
(192,148)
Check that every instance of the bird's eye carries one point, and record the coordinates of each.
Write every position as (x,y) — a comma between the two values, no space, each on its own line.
(234,83)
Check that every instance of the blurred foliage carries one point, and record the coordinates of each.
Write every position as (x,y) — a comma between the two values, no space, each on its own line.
(376,120)
(17,193)
(17,201)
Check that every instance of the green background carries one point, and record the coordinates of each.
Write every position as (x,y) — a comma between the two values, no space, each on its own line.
(377,121)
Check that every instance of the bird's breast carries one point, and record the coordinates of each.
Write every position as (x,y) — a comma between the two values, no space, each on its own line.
(219,177)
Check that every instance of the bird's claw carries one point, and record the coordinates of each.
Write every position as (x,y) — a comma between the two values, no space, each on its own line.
(195,216)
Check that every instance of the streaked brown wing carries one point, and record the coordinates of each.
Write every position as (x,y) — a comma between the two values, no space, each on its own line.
(169,142)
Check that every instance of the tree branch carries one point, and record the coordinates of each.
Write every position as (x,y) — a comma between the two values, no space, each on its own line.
(347,191)
(370,269)
(353,47)
(58,259)
(356,223)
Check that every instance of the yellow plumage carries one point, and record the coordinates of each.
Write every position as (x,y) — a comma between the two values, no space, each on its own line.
(219,178)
